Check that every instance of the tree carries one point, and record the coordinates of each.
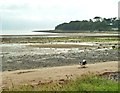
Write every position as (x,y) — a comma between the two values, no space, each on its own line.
(119,24)
(99,25)
(97,18)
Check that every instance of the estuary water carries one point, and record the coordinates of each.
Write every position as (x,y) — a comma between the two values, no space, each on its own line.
(23,32)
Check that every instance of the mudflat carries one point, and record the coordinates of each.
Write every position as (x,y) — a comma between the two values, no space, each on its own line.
(31,56)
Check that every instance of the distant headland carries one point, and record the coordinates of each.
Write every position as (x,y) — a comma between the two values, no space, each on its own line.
(91,25)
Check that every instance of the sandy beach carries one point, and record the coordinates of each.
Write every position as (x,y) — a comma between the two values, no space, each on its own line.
(54,74)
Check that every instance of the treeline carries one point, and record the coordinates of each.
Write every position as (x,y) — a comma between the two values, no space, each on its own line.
(95,24)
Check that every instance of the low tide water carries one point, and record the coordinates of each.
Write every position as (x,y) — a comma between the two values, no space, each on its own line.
(23,34)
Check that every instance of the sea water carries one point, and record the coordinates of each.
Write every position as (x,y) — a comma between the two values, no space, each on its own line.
(22,32)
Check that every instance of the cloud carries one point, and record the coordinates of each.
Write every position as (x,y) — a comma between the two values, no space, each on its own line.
(41,14)
(119,9)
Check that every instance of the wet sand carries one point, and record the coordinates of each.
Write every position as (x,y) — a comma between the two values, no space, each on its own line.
(31,56)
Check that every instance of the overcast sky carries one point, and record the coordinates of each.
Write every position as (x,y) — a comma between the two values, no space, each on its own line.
(46,14)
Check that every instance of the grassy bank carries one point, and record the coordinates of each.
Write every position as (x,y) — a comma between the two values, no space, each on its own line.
(86,83)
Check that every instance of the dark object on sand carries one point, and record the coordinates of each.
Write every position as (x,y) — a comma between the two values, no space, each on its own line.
(83,63)
(113,47)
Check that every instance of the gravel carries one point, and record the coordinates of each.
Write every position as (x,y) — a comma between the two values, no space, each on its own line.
(24,57)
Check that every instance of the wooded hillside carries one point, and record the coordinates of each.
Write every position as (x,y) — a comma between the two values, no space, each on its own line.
(95,24)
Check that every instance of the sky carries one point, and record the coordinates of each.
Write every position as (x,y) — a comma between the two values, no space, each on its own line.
(119,9)
(29,15)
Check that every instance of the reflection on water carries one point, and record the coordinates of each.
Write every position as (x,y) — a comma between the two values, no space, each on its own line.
(22,33)
(11,45)
(24,49)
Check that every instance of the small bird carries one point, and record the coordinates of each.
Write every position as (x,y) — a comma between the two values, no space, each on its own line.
(83,63)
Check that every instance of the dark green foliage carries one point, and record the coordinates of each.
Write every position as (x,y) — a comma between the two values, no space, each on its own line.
(119,24)
(100,24)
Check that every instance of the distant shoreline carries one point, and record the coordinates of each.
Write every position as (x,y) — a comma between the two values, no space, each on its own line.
(71,31)
(54,32)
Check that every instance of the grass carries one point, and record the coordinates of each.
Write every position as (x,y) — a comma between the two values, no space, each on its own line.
(86,83)
(59,39)
(59,46)
(49,42)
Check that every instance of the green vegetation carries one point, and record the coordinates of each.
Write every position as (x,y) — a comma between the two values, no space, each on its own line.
(97,24)
(86,83)
(60,39)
